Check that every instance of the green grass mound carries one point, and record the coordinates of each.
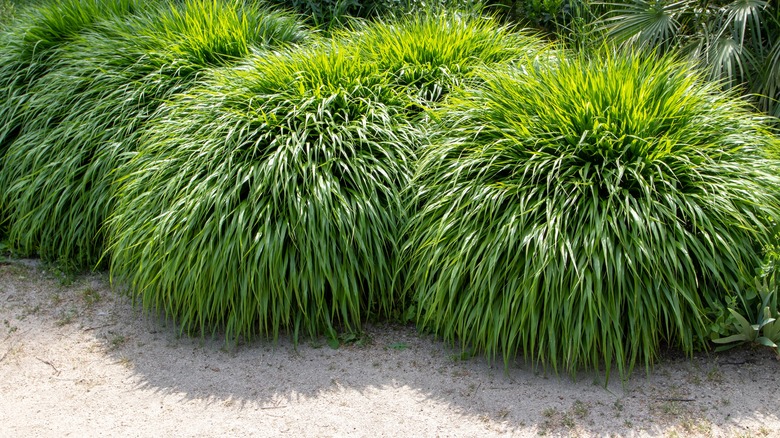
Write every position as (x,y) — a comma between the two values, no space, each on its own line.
(86,113)
(31,43)
(584,213)
(267,199)
(429,54)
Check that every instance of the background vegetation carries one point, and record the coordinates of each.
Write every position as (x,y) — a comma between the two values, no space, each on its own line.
(330,14)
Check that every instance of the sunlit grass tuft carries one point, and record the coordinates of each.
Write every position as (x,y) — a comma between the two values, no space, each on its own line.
(85,114)
(267,200)
(431,53)
(582,214)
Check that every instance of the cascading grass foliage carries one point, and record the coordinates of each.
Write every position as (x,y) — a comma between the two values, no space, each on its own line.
(429,54)
(267,199)
(30,44)
(579,212)
(583,213)
(86,113)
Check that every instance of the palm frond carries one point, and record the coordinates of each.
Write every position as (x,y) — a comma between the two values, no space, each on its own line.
(645,23)
(745,18)
(768,86)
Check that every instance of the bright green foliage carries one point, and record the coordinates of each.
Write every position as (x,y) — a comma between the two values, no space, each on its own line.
(267,199)
(430,54)
(86,113)
(30,45)
(586,212)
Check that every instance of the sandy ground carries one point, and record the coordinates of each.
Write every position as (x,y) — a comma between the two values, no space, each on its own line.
(77,359)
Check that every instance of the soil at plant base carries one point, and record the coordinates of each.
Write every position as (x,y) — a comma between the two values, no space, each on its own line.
(78,359)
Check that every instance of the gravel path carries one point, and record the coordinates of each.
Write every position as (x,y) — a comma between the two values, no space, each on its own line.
(77,359)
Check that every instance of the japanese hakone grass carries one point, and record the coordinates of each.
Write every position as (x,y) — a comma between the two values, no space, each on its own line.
(431,53)
(87,114)
(31,42)
(267,200)
(585,213)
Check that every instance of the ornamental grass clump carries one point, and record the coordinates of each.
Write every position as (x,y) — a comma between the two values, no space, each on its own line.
(266,200)
(429,54)
(584,213)
(86,115)
(30,45)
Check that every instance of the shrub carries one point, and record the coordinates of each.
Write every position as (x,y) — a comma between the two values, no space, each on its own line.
(586,212)
(267,199)
(430,54)
(85,114)
(541,14)
(571,22)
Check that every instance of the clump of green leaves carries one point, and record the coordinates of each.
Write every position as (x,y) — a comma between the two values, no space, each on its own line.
(267,199)
(30,44)
(541,14)
(764,329)
(84,115)
(582,213)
